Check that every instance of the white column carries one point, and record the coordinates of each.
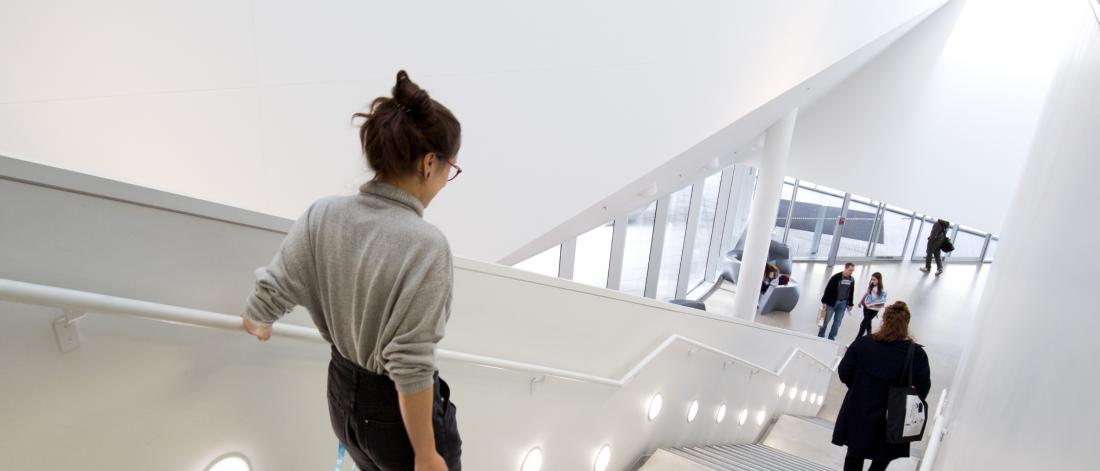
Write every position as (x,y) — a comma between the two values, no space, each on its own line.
(769,188)
(1025,394)
(567,259)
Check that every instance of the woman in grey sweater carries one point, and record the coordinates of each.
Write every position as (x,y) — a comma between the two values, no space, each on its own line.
(377,280)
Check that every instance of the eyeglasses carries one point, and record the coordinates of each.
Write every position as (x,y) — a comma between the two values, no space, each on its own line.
(454,171)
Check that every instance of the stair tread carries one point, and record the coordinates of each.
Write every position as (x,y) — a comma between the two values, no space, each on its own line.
(747,457)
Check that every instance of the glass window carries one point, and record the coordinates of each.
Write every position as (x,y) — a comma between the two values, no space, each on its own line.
(822,189)
(678,205)
(813,222)
(737,214)
(545,263)
(968,245)
(703,233)
(892,230)
(920,238)
(639,237)
(992,248)
(593,256)
(781,214)
(856,235)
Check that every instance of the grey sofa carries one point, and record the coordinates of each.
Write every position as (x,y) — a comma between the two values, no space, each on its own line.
(779,298)
(778,255)
(776,298)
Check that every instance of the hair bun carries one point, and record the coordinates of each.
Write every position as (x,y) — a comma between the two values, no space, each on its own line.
(410,96)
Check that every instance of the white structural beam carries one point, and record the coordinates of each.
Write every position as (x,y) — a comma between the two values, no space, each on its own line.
(769,186)
(714,257)
(657,246)
(688,250)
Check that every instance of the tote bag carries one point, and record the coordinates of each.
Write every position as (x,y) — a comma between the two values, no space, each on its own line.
(906,412)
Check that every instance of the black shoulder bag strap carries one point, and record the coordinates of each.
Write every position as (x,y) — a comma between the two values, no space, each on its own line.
(897,412)
(909,364)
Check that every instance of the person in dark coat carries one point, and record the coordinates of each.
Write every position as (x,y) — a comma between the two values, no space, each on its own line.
(839,297)
(936,238)
(871,366)
(771,278)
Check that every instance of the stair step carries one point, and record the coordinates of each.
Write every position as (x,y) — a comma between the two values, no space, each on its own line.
(806,438)
(817,420)
(749,457)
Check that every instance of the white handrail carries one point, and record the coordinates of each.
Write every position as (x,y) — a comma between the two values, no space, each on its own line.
(939,405)
(938,426)
(85,302)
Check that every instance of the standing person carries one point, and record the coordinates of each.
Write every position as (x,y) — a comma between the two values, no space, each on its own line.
(872,302)
(936,238)
(838,298)
(871,366)
(377,281)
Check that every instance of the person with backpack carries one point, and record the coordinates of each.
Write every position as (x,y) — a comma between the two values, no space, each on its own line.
(872,302)
(377,280)
(838,298)
(872,366)
(937,239)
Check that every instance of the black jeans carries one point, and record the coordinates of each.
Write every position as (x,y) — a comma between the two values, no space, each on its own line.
(928,259)
(366,417)
(865,326)
(855,463)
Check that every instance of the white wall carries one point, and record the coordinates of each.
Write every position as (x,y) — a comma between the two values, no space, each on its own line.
(150,396)
(1024,395)
(248,102)
(942,121)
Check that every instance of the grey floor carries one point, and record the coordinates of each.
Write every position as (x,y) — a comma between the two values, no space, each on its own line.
(942,308)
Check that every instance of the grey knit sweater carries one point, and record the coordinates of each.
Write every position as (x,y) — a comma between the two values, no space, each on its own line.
(375,277)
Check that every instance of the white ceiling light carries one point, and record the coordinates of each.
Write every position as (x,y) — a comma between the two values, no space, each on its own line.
(760,416)
(813,398)
(793,392)
(743,417)
(721,414)
(820,399)
(693,409)
(803,397)
(533,461)
(603,458)
(655,404)
(781,389)
(232,462)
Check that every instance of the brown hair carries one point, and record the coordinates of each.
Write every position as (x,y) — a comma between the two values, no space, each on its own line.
(398,131)
(771,268)
(895,323)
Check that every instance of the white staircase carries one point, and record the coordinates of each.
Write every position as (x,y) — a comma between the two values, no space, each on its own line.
(808,437)
(750,457)
(792,443)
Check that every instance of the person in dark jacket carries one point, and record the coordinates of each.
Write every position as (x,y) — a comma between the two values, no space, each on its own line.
(771,277)
(936,238)
(839,298)
(871,366)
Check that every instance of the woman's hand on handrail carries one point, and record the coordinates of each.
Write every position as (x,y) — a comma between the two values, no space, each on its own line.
(262,332)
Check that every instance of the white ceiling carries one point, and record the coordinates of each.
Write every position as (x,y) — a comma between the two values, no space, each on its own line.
(248,103)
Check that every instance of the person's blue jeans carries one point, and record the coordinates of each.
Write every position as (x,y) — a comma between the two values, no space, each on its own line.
(836,314)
